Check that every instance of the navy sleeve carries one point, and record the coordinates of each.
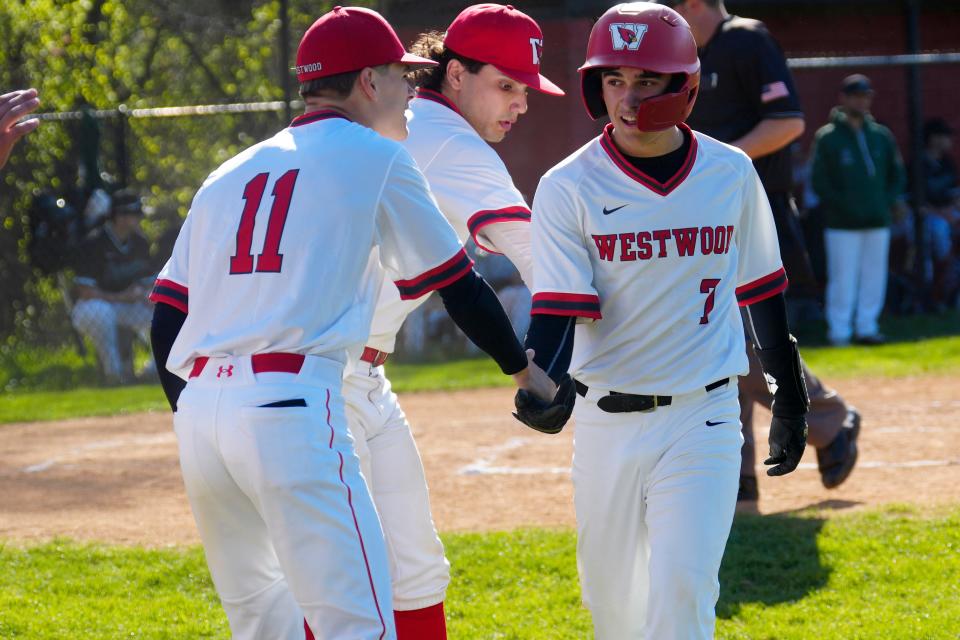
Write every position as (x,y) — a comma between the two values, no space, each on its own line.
(166,325)
(551,338)
(475,308)
(766,321)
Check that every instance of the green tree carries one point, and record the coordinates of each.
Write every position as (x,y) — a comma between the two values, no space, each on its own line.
(141,54)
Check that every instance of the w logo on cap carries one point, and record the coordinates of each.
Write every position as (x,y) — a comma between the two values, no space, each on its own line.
(627,35)
(536,44)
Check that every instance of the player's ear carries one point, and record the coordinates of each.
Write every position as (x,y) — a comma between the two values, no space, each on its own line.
(454,75)
(367,83)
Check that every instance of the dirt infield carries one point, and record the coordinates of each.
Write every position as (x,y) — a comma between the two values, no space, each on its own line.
(117,479)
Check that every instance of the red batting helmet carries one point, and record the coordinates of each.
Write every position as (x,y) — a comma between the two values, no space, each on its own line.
(646,36)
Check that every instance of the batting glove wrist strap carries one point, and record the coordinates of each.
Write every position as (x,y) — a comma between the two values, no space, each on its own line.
(784,373)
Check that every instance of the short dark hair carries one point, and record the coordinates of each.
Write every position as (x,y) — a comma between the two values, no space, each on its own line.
(936,127)
(430,45)
(336,86)
(126,202)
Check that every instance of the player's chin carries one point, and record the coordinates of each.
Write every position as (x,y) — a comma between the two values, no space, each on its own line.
(399,131)
(495,134)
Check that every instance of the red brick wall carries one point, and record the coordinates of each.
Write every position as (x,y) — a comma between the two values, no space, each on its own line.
(554,127)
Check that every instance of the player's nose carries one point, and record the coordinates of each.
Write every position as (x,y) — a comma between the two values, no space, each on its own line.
(632,99)
(520,104)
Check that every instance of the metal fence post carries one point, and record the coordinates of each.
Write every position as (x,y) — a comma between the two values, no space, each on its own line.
(120,146)
(915,111)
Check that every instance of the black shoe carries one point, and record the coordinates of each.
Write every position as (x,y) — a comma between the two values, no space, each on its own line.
(748,489)
(871,341)
(837,459)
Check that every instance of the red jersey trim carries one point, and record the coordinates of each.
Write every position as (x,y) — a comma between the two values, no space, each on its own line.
(439,98)
(316,116)
(437,278)
(481,219)
(660,188)
(762,288)
(549,303)
(171,293)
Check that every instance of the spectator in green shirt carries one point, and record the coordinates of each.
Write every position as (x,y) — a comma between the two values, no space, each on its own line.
(859,178)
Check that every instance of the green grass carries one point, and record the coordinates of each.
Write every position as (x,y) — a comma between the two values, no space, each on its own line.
(918,345)
(55,385)
(85,401)
(66,590)
(940,356)
(892,574)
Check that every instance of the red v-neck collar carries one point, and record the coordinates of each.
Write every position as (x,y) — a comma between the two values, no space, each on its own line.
(316,116)
(439,98)
(660,188)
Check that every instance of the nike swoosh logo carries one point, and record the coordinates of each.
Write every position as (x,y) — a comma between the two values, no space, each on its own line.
(607,212)
(713,424)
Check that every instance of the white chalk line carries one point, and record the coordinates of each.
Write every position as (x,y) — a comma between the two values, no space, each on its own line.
(164,438)
(484,468)
(485,465)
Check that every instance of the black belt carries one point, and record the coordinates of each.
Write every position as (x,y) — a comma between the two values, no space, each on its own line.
(616,402)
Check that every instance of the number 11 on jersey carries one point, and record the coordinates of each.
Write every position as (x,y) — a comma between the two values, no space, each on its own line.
(270,259)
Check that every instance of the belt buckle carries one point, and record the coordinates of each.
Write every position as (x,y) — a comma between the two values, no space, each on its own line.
(652,408)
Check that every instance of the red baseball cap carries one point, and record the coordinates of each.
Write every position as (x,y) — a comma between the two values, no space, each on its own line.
(349,39)
(508,39)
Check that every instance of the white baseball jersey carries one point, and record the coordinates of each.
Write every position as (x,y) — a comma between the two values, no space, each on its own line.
(278,252)
(471,185)
(660,267)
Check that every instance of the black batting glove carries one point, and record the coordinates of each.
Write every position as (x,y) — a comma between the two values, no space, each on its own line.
(788,438)
(546,417)
(788,429)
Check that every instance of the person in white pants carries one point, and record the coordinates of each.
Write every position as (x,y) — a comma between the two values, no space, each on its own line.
(266,301)
(858,176)
(113,278)
(487,60)
(647,242)
(856,282)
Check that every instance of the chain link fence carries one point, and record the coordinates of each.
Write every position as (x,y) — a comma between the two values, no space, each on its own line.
(59,329)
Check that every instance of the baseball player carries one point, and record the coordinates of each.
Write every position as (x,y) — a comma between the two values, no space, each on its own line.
(651,235)
(270,290)
(488,59)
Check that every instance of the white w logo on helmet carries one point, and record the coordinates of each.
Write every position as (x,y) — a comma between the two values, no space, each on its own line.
(627,35)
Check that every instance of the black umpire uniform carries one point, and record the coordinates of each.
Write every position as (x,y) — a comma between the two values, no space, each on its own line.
(744,80)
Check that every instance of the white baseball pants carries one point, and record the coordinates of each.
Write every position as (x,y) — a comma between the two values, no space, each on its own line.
(99,320)
(655,495)
(856,281)
(286,520)
(392,467)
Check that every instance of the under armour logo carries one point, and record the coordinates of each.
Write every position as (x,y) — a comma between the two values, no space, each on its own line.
(627,35)
(228,370)
(536,45)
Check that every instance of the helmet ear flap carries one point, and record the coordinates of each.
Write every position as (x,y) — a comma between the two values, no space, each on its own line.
(591,85)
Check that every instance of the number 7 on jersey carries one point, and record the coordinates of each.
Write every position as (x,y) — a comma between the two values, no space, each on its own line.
(709,287)
(270,259)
